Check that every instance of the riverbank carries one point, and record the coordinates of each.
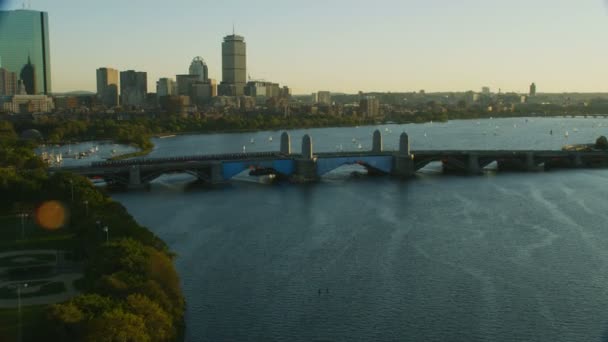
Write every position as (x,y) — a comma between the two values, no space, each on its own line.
(129,275)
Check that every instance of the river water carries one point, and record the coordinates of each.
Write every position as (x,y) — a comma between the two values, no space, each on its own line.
(497,257)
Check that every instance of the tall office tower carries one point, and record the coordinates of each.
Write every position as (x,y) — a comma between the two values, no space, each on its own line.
(485,90)
(133,88)
(165,87)
(107,86)
(532,89)
(234,66)
(8,82)
(25,50)
(198,67)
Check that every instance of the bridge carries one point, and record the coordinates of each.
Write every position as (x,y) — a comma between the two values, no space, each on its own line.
(308,166)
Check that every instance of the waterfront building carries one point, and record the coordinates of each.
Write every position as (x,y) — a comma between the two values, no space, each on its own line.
(234,66)
(25,48)
(107,87)
(369,106)
(133,88)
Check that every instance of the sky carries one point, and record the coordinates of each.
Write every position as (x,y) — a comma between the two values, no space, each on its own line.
(339,45)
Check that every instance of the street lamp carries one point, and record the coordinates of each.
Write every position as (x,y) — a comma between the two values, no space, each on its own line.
(72,189)
(107,230)
(19,307)
(23,216)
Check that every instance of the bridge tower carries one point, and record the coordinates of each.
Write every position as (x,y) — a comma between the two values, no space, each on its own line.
(377,142)
(285,143)
(403,164)
(306,166)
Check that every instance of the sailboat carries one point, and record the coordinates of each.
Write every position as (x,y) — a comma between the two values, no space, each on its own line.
(270,138)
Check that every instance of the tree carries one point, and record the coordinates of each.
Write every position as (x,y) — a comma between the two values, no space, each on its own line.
(118,326)
(601,143)
(159,325)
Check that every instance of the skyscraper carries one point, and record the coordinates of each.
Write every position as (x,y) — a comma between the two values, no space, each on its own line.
(25,50)
(133,88)
(198,67)
(532,89)
(165,87)
(234,66)
(107,86)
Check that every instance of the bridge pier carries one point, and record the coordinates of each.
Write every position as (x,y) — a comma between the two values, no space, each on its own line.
(403,163)
(531,165)
(216,176)
(473,165)
(306,167)
(135,178)
(578,160)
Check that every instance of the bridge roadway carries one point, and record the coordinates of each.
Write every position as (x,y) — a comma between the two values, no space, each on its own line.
(308,166)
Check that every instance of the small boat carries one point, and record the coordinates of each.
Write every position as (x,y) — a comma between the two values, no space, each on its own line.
(270,138)
(252,141)
(354,140)
(425,134)
(359,146)
(566,134)
(244,149)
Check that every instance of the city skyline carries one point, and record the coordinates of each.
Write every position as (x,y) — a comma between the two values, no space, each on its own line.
(346,47)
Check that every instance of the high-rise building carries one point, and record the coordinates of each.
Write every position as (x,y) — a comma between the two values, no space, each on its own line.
(369,106)
(532,89)
(133,88)
(198,67)
(324,97)
(234,66)
(25,50)
(8,82)
(185,82)
(107,87)
(485,90)
(165,87)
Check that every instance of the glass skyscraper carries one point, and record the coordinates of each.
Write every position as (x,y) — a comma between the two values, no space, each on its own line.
(24,48)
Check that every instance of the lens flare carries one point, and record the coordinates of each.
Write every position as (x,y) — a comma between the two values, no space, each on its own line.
(51,215)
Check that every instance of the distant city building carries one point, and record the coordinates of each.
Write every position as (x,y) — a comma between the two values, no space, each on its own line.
(25,48)
(234,66)
(324,97)
(165,87)
(314,98)
(107,87)
(185,82)
(485,90)
(532,89)
(523,99)
(199,68)
(369,106)
(8,82)
(133,88)
(23,104)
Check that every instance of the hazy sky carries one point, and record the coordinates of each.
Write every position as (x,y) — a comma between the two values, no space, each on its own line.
(339,45)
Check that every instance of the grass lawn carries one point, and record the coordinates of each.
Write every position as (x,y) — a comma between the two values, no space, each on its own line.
(35,237)
(27,260)
(34,324)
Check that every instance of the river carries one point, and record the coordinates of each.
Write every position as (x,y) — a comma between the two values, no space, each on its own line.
(497,257)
